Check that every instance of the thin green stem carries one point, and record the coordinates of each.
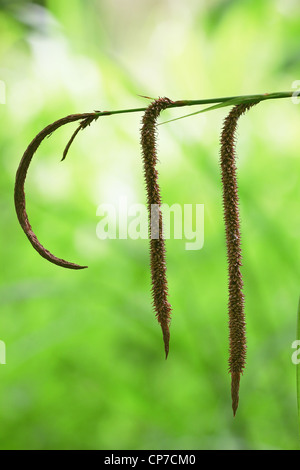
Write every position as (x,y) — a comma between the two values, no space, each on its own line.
(227,101)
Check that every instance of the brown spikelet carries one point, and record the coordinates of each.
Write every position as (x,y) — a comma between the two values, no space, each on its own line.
(83,124)
(235,386)
(20,203)
(157,244)
(237,333)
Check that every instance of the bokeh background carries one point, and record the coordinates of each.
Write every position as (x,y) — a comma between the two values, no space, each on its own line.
(85,363)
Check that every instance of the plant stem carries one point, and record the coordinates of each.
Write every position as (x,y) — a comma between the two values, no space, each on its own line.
(231,100)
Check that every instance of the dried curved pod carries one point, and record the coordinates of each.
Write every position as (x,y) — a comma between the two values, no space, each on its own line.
(19,195)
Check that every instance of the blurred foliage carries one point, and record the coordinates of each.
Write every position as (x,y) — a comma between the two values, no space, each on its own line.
(85,363)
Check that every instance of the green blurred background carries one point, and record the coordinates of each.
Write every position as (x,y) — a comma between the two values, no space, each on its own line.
(85,363)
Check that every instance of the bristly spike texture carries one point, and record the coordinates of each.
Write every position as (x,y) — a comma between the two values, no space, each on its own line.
(157,243)
(237,325)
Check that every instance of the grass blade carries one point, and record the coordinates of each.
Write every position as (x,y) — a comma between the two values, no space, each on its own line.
(229,102)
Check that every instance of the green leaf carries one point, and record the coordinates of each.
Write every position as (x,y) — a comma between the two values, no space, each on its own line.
(229,102)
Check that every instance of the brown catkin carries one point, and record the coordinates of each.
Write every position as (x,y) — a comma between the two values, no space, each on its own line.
(20,202)
(157,244)
(237,325)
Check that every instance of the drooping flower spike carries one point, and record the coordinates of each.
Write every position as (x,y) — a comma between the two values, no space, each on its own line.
(20,203)
(157,244)
(237,325)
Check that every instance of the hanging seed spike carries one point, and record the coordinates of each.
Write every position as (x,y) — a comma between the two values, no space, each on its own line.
(19,194)
(237,325)
(157,245)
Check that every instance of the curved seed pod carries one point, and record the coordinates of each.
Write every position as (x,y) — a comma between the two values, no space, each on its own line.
(20,204)
(157,244)
(237,333)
